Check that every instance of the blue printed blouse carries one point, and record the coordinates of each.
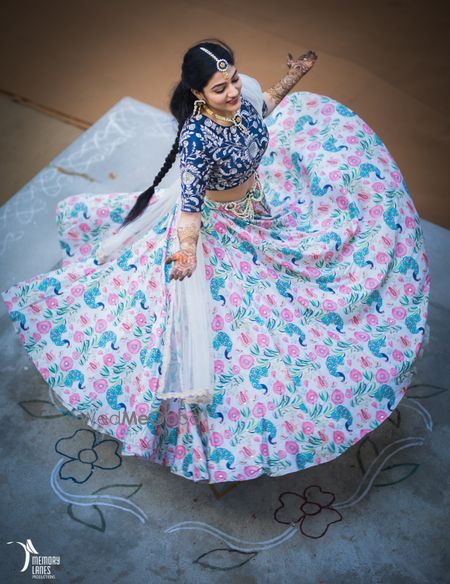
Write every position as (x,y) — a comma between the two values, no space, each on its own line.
(216,157)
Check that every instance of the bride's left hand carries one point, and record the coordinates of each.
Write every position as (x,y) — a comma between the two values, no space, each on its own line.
(185,263)
(304,62)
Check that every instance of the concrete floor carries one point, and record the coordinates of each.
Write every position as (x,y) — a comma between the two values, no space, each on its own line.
(384,504)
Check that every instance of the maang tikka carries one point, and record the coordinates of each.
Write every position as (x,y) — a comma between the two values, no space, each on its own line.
(222,66)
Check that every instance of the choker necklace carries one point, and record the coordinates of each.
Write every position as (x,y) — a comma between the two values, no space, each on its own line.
(236,119)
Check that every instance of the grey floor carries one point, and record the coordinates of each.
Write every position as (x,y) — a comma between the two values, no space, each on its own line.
(377,514)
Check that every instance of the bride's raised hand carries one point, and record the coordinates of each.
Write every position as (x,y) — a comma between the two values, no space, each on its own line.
(303,63)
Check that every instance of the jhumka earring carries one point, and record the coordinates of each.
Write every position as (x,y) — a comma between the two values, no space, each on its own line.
(198,104)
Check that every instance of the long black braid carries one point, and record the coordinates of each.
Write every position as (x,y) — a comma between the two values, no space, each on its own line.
(144,198)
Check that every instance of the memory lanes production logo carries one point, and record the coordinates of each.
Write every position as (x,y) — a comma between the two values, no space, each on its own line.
(41,566)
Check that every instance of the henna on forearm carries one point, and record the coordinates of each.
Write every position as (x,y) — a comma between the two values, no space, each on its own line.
(297,69)
(185,259)
(188,231)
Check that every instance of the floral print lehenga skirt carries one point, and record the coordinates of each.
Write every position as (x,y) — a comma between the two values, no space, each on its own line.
(317,308)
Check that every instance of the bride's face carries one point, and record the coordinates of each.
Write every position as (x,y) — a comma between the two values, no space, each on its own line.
(219,92)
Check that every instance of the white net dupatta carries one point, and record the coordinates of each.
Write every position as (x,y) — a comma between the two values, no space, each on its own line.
(251,89)
(161,203)
(188,365)
(187,368)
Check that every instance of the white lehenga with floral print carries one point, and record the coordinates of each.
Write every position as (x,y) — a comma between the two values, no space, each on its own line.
(299,329)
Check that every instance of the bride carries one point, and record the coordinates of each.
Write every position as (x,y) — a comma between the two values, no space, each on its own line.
(260,314)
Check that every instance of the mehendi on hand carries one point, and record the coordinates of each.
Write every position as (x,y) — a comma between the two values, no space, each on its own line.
(186,257)
(297,69)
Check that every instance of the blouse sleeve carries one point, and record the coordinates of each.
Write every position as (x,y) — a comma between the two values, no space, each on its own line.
(194,168)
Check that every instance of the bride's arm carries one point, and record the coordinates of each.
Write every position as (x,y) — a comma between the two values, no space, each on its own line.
(194,168)
(188,229)
(297,69)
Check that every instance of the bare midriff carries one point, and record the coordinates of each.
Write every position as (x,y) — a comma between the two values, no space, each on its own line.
(233,194)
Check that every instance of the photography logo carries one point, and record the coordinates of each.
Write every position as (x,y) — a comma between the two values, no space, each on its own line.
(41,566)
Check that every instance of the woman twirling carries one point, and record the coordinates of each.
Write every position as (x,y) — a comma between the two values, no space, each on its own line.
(261,313)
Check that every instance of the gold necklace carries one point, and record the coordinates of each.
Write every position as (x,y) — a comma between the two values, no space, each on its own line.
(236,119)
